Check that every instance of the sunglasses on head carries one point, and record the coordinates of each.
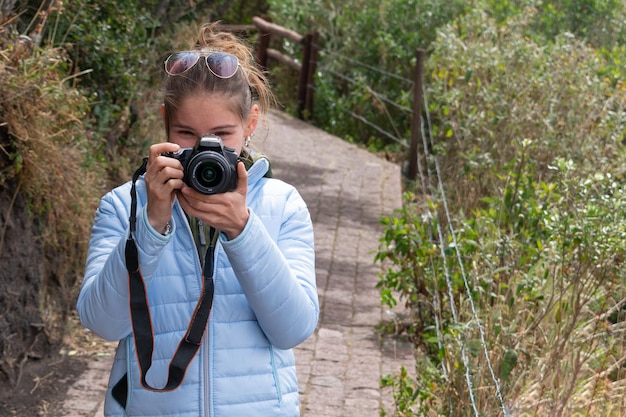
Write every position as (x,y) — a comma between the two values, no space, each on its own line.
(221,64)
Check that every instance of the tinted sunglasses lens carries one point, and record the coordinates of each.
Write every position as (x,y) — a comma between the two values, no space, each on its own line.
(222,65)
(180,62)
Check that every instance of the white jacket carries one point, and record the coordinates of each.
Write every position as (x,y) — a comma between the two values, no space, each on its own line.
(265,303)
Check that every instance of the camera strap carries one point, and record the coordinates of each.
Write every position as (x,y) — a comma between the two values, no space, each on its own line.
(140,311)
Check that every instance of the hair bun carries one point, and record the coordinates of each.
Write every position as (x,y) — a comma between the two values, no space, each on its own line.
(214,37)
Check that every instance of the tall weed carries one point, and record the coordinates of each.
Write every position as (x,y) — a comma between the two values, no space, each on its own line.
(529,253)
(542,262)
(48,155)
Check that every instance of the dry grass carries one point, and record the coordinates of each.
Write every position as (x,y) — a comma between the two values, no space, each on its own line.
(47,151)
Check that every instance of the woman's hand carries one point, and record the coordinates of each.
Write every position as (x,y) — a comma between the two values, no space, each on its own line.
(163,176)
(226,212)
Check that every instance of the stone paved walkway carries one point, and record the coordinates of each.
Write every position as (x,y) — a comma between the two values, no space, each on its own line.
(347,190)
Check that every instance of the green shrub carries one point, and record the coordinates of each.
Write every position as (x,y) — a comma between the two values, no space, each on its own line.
(366,67)
(489,87)
(528,138)
(601,23)
(48,151)
(410,396)
(366,62)
(543,265)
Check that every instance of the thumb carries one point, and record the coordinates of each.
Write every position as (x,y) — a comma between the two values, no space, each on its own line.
(242,178)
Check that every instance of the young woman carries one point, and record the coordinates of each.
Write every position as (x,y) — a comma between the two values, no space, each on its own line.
(207,291)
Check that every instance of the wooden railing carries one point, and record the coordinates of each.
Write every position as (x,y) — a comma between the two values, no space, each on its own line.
(307,67)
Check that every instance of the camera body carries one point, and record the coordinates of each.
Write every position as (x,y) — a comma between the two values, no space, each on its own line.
(209,167)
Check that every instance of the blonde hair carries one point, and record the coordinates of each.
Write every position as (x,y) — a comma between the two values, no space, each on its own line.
(247,87)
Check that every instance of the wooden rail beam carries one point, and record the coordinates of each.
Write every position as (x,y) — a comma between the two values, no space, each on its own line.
(239,28)
(284,59)
(274,29)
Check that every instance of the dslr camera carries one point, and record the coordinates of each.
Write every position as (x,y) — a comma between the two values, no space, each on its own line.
(209,167)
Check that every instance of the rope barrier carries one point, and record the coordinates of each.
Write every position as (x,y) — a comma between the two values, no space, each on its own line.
(382,99)
(373,125)
(449,286)
(362,64)
(463,272)
(379,96)
(427,182)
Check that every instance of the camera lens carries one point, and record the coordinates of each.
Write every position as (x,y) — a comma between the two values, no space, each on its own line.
(209,174)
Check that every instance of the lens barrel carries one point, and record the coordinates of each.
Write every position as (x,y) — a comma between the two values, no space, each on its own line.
(210,173)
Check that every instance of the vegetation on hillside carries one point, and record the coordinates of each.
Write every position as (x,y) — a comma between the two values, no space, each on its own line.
(368,51)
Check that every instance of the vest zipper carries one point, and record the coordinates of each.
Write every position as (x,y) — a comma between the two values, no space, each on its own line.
(208,344)
(207,384)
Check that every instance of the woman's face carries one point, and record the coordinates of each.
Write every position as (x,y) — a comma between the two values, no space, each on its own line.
(200,115)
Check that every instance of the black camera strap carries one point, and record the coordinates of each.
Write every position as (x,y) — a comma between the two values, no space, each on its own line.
(140,311)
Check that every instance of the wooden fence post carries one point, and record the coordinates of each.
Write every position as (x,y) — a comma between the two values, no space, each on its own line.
(416,119)
(310,80)
(306,68)
(264,43)
(304,74)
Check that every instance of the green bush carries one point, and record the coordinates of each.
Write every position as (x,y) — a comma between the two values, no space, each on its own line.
(366,67)
(107,43)
(528,139)
(54,163)
(490,87)
(52,176)
(542,263)
(366,62)
(599,22)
